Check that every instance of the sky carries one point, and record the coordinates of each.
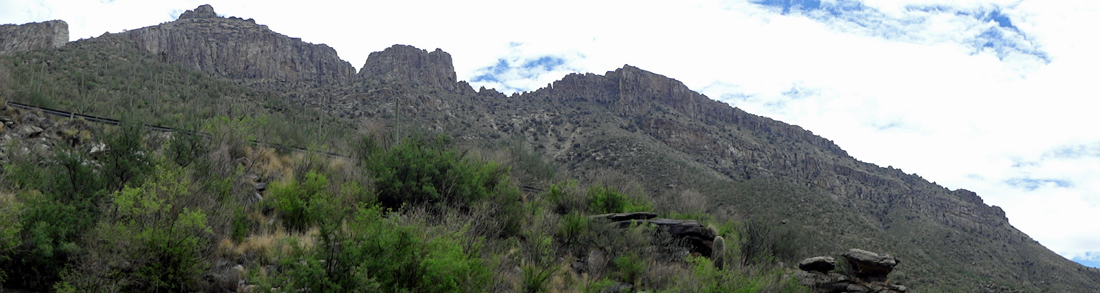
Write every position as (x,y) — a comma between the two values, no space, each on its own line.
(994,96)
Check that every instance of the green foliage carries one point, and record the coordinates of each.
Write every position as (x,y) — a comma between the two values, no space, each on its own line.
(10,229)
(302,205)
(126,158)
(603,199)
(574,229)
(630,267)
(375,253)
(422,172)
(565,197)
(708,278)
(419,172)
(153,227)
(186,148)
(62,201)
(540,263)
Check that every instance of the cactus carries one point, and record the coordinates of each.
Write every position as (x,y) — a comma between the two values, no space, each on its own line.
(718,254)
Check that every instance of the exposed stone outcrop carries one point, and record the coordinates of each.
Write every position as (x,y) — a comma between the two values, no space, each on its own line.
(415,67)
(867,273)
(699,239)
(33,36)
(25,132)
(240,48)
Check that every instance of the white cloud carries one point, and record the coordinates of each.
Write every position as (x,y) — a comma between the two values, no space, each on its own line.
(913,89)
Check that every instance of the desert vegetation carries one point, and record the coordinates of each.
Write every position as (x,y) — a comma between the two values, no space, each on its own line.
(416,213)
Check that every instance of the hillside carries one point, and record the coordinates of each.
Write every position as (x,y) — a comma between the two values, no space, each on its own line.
(637,132)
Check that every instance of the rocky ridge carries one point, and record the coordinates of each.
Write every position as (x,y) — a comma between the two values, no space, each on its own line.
(914,215)
(889,209)
(403,64)
(32,36)
(240,48)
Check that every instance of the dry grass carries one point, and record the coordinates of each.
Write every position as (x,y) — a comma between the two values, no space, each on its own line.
(268,164)
(268,248)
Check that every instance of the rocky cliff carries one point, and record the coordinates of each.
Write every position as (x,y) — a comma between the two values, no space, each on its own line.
(32,36)
(240,48)
(408,65)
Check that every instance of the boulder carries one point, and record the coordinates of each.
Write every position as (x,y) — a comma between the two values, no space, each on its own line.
(869,270)
(822,264)
(869,265)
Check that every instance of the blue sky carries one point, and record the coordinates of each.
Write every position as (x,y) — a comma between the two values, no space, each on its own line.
(994,96)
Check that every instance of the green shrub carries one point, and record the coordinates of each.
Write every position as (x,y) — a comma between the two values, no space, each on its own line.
(422,172)
(301,205)
(153,239)
(10,229)
(186,148)
(630,267)
(126,158)
(565,197)
(603,199)
(375,253)
(539,263)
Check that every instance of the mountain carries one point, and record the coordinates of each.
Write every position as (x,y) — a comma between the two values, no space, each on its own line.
(240,48)
(32,36)
(641,131)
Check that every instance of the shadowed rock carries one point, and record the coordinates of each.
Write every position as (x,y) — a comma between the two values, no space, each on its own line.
(869,265)
(822,264)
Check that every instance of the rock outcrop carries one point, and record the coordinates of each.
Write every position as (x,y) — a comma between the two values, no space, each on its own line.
(33,36)
(698,238)
(408,65)
(866,272)
(240,48)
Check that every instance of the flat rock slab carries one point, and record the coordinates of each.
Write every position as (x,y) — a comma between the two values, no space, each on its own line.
(699,238)
(616,217)
(822,264)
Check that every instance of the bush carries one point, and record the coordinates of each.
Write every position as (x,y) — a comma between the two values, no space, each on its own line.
(10,229)
(602,199)
(565,197)
(630,267)
(151,240)
(126,158)
(422,172)
(761,243)
(302,205)
(62,198)
(375,253)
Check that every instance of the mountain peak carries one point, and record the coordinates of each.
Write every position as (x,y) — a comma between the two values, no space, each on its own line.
(203,11)
(413,66)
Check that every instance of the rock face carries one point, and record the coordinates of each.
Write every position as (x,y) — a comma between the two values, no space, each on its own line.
(33,36)
(240,48)
(868,273)
(416,67)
